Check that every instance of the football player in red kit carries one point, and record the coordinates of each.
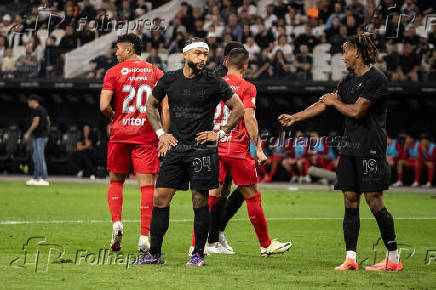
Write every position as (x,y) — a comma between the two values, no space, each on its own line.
(132,139)
(234,155)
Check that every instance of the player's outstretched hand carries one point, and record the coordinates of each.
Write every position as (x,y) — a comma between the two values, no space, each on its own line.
(162,149)
(287,120)
(207,136)
(261,157)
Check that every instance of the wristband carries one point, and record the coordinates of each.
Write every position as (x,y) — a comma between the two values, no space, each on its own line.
(221,134)
(159,132)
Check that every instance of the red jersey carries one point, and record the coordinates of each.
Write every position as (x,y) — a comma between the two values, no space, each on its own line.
(236,144)
(132,82)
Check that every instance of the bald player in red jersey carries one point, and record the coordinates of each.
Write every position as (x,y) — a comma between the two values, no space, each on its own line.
(132,139)
(234,155)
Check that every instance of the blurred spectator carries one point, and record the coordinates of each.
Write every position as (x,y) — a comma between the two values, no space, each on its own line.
(432,36)
(86,35)
(69,17)
(227,9)
(126,12)
(393,63)
(177,44)
(234,28)
(303,62)
(212,18)
(337,40)
(186,16)
(270,18)
(83,158)
(51,57)
(280,65)
(175,27)
(3,46)
(280,9)
(427,6)
(264,37)
(351,23)
(199,28)
(409,64)
(69,41)
(154,59)
(8,64)
(252,47)
(409,8)
(284,46)
(306,38)
(27,64)
(333,30)
(6,24)
(88,11)
(16,34)
(432,66)
(157,41)
(246,33)
(101,64)
(336,13)
(249,7)
(293,18)
(264,66)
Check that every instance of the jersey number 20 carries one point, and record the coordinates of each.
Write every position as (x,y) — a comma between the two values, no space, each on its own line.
(132,92)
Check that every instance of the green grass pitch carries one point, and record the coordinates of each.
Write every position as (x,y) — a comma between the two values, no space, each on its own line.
(75,218)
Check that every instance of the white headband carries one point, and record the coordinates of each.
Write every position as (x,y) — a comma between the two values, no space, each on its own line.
(196,45)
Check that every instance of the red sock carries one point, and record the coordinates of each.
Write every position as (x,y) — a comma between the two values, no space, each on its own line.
(306,167)
(257,219)
(115,199)
(212,201)
(273,171)
(291,172)
(418,170)
(400,176)
(430,174)
(147,193)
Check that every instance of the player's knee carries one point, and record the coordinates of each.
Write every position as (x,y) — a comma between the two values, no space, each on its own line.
(351,199)
(118,177)
(374,201)
(199,199)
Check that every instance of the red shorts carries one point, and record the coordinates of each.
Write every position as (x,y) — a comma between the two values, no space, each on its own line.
(277,157)
(411,162)
(121,155)
(243,170)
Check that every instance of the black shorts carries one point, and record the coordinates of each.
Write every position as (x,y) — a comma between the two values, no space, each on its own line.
(362,174)
(199,168)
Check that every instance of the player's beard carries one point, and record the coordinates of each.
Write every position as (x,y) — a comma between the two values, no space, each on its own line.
(195,67)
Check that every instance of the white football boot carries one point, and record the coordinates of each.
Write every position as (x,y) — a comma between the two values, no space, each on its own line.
(117,236)
(275,247)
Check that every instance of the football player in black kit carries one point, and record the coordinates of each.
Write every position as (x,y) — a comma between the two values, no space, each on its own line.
(192,156)
(362,98)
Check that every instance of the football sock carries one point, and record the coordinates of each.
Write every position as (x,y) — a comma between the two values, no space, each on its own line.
(400,176)
(418,170)
(352,255)
(385,223)
(147,193)
(351,227)
(393,256)
(231,206)
(201,227)
(115,199)
(430,174)
(257,219)
(158,227)
(216,205)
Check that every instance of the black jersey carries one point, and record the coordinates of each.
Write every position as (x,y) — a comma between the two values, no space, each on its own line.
(192,102)
(366,136)
(220,70)
(42,129)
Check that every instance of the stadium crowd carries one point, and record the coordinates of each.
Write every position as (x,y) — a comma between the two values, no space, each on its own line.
(280,39)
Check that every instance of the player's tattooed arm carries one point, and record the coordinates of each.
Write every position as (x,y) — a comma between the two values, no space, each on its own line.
(105,103)
(310,112)
(165,140)
(253,131)
(165,109)
(236,113)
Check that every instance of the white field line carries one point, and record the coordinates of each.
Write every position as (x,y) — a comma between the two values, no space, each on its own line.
(190,220)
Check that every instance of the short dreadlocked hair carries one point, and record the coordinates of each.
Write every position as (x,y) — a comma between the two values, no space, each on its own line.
(364,43)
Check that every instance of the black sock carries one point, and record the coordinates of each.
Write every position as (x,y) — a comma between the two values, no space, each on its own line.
(385,223)
(160,220)
(201,227)
(215,219)
(351,227)
(234,202)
